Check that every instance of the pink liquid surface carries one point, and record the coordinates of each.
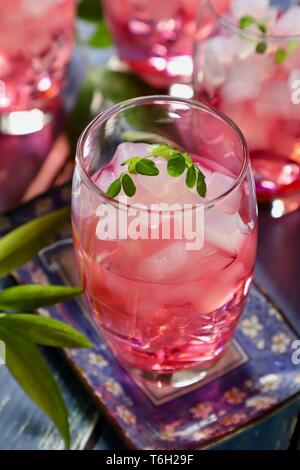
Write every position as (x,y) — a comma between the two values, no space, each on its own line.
(154,37)
(36,39)
(163,308)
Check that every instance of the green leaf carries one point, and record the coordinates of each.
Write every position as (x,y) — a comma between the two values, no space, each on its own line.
(261,47)
(115,188)
(131,163)
(280,55)
(30,297)
(187,159)
(89,10)
(246,21)
(191,177)
(161,150)
(42,330)
(201,185)
(24,242)
(176,165)
(28,367)
(147,167)
(261,26)
(128,185)
(101,37)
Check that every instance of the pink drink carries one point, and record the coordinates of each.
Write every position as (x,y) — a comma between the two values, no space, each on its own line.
(162,307)
(255,89)
(36,39)
(154,37)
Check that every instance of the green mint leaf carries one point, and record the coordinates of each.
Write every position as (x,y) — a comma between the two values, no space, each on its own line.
(28,298)
(115,188)
(128,185)
(161,150)
(147,167)
(280,55)
(30,370)
(246,21)
(131,163)
(42,330)
(201,185)
(89,10)
(191,177)
(101,38)
(261,47)
(261,26)
(176,165)
(187,159)
(23,243)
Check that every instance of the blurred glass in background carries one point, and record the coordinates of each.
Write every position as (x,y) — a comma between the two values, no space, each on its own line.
(247,64)
(36,39)
(154,37)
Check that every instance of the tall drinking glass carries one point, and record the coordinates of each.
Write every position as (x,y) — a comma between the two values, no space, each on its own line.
(154,37)
(36,38)
(167,298)
(247,64)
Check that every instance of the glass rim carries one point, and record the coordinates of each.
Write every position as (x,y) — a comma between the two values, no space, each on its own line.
(284,38)
(158,99)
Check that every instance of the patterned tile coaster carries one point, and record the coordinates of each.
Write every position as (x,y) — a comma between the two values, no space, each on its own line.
(254,377)
(234,357)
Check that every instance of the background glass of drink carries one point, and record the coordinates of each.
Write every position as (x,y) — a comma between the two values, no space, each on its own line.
(154,37)
(247,63)
(166,311)
(36,38)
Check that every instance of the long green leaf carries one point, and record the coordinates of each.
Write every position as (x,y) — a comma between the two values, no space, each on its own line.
(28,298)
(42,330)
(89,10)
(23,243)
(101,37)
(27,365)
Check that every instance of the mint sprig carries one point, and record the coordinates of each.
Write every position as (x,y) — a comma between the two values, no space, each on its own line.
(178,163)
(246,21)
(281,54)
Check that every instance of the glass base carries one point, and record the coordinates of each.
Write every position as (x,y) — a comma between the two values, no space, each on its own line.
(24,122)
(281,206)
(174,379)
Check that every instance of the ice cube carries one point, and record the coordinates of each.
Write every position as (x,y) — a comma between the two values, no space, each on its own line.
(218,53)
(165,264)
(224,231)
(218,185)
(128,150)
(218,293)
(245,78)
(160,186)
(289,22)
(242,47)
(106,177)
(164,188)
